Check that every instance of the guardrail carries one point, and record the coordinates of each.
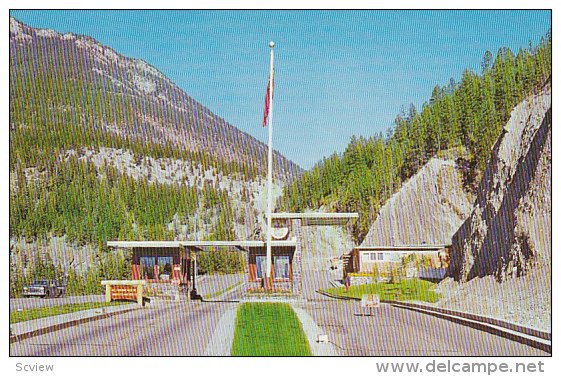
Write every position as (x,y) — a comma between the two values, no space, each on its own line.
(528,336)
(522,334)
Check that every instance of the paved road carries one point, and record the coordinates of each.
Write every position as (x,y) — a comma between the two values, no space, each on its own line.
(318,279)
(184,329)
(161,329)
(214,286)
(400,332)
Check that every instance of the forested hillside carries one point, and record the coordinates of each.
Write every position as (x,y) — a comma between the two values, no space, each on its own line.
(71,97)
(462,119)
(104,147)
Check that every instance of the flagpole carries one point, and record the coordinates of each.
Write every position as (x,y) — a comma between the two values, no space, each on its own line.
(270,164)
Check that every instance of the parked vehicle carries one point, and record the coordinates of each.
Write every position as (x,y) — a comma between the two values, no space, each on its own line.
(44,289)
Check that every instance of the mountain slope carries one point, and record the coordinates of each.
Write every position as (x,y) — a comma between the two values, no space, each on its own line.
(467,115)
(80,112)
(74,81)
(501,256)
(428,208)
(104,147)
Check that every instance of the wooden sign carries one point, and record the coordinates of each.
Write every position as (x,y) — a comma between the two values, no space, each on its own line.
(370,301)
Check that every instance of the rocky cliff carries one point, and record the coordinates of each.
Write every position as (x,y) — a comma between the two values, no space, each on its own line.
(428,209)
(509,228)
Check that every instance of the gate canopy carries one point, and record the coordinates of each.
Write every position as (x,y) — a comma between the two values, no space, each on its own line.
(319,219)
(201,244)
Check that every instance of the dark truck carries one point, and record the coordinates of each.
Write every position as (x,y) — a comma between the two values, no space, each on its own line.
(44,289)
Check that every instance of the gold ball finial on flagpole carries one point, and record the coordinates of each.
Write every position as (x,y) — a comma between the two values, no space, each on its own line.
(272,44)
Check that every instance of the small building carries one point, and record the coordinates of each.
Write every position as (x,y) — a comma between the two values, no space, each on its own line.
(166,266)
(363,259)
(161,264)
(286,272)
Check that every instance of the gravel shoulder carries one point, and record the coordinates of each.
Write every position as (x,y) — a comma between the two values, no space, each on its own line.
(524,300)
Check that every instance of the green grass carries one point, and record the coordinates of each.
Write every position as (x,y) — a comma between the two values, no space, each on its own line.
(38,313)
(407,289)
(269,329)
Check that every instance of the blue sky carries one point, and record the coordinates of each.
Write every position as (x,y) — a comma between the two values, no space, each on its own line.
(338,73)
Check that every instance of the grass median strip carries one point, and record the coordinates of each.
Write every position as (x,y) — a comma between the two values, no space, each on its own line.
(38,313)
(411,289)
(269,329)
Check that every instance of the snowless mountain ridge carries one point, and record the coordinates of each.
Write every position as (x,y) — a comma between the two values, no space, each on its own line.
(161,111)
(145,107)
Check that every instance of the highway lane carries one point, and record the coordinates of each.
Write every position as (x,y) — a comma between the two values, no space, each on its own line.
(184,328)
(161,329)
(215,285)
(395,331)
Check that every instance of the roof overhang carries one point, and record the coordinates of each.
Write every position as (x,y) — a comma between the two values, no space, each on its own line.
(202,244)
(143,244)
(319,219)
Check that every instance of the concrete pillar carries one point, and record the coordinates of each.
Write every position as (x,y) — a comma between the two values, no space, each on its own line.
(246,274)
(297,260)
(107,293)
(139,289)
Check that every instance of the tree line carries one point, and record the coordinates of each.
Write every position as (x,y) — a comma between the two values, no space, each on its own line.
(464,117)
(91,205)
(110,266)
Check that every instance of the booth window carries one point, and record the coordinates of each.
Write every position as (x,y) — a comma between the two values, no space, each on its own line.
(165,268)
(148,267)
(282,267)
(392,256)
(147,264)
(261,264)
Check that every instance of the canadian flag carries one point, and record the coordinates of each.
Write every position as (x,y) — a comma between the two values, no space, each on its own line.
(268,98)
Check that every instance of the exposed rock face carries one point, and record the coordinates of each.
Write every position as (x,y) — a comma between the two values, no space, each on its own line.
(509,228)
(428,209)
(322,245)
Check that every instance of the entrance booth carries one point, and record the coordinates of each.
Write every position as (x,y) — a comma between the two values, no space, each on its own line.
(286,252)
(282,270)
(165,266)
(169,267)
(161,265)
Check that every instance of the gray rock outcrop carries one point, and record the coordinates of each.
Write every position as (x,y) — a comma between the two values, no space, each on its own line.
(509,229)
(428,209)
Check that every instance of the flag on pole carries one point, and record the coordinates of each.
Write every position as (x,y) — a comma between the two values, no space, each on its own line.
(268,98)
(268,115)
